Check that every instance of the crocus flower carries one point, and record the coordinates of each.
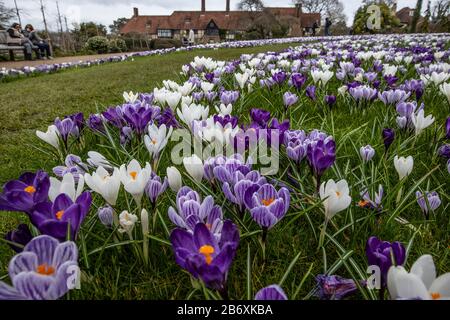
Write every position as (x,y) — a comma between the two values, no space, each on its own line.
(298,80)
(24,194)
(22,236)
(392,97)
(289,99)
(157,139)
(335,197)
(445,89)
(54,219)
(388,137)
(138,116)
(106,216)
(229,97)
(130,97)
(259,116)
(194,166)
(267,206)
(419,283)
(174,178)
(271,293)
(404,166)
(444,151)
(447,128)
(421,122)
(191,210)
(41,271)
(367,153)
(135,179)
(279,77)
(67,186)
(334,287)
(73,165)
(98,160)
(321,155)
(428,201)
(155,187)
(296,146)
(127,222)
(202,255)
(382,253)
(311,92)
(330,100)
(167,117)
(66,128)
(51,136)
(367,201)
(105,184)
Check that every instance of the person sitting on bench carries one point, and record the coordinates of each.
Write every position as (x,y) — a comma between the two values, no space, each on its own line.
(32,35)
(17,38)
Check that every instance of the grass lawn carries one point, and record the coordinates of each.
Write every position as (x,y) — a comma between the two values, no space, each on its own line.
(33,103)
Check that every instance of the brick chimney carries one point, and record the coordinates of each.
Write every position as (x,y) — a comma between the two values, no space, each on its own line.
(228,6)
(136,12)
(203,5)
(299,9)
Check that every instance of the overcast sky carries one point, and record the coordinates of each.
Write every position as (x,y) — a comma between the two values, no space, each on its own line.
(105,12)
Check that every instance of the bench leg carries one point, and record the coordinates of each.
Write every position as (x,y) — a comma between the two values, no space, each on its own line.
(11,55)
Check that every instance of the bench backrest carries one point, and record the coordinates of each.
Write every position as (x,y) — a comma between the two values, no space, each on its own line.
(3,37)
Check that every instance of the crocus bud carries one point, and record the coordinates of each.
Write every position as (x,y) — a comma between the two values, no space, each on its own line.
(367,153)
(447,128)
(404,166)
(444,151)
(174,178)
(334,287)
(432,201)
(144,221)
(388,137)
(106,216)
(194,166)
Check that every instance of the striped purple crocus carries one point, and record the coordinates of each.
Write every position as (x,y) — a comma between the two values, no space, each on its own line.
(428,201)
(155,187)
(271,293)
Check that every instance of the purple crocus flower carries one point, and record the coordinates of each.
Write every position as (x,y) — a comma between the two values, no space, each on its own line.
(78,120)
(114,116)
(139,116)
(229,97)
(73,165)
(267,206)
(126,134)
(298,80)
(95,123)
(24,194)
(295,145)
(311,92)
(367,153)
(363,93)
(388,137)
(334,287)
(22,236)
(54,219)
(198,96)
(271,293)
(367,201)
(321,155)
(210,164)
(210,96)
(155,187)
(204,256)
(192,211)
(428,201)
(260,117)
(224,120)
(41,271)
(106,216)
(382,253)
(414,86)
(444,151)
(66,128)
(168,118)
(447,128)
(330,100)
(279,77)
(391,80)
(289,99)
(393,97)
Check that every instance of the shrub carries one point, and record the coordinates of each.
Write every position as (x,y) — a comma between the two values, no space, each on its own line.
(164,44)
(98,44)
(117,45)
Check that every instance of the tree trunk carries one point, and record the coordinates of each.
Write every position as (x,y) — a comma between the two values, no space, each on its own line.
(416,16)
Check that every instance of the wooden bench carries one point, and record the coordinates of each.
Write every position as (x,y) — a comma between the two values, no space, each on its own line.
(5,47)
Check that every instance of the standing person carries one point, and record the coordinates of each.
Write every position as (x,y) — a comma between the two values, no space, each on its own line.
(32,35)
(15,37)
(314,28)
(328,24)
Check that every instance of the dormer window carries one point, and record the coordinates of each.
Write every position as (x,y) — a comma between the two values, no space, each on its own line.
(411,13)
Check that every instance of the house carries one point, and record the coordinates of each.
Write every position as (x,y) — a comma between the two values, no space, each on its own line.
(405,15)
(211,26)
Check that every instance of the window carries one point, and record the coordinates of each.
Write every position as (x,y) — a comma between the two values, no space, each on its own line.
(411,13)
(164,33)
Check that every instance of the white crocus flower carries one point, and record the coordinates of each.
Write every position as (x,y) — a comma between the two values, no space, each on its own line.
(186,88)
(224,110)
(51,136)
(135,179)
(96,160)
(322,76)
(127,222)
(194,166)
(104,184)
(404,166)
(66,186)
(335,197)
(189,113)
(389,70)
(445,89)
(130,97)
(173,99)
(421,122)
(242,79)
(207,86)
(174,178)
(419,283)
(157,139)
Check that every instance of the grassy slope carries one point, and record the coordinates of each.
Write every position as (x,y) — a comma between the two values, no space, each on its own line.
(84,89)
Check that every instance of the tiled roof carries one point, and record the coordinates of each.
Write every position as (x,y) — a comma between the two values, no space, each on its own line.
(197,20)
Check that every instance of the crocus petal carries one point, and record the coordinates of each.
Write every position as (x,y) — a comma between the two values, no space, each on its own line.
(424,269)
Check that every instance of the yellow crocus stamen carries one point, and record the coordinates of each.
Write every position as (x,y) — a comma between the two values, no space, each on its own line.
(267,202)
(30,189)
(133,175)
(363,203)
(45,270)
(435,295)
(338,193)
(59,214)
(207,251)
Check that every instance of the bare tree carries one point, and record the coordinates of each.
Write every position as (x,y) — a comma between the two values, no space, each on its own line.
(334,9)
(18,12)
(6,14)
(251,5)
